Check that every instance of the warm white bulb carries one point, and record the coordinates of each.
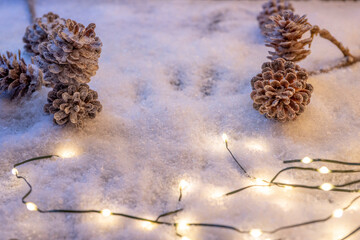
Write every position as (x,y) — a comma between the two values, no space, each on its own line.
(225,138)
(260,181)
(327,186)
(67,153)
(288,187)
(217,195)
(105,212)
(255,232)
(182,226)
(31,206)
(323,170)
(306,160)
(185,238)
(337,213)
(183,184)
(14,171)
(148,225)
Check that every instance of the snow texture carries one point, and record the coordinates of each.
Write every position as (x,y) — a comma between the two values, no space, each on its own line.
(173,77)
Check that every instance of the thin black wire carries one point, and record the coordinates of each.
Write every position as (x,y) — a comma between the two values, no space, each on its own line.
(232,155)
(323,160)
(156,221)
(352,233)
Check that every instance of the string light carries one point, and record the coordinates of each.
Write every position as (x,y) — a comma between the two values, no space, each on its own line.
(326,186)
(185,238)
(288,187)
(225,138)
(105,212)
(182,226)
(256,232)
(324,170)
(338,213)
(67,153)
(306,160)
(14,171)
(148,225)
(31,206)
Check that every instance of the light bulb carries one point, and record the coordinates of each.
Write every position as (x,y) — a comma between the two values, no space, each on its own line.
(337,213)
(31,206)
(255,232)
(182,226)
(14,171)
(217,194)
(323,170)
(67,153)
(105,212)
(183,184)
(306,160)
(225,138)
(260,181)
(326,186)
(288,187)
(148,225)
(185,238)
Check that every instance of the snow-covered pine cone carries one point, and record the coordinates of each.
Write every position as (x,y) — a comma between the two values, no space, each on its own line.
(17,78)
(70,55)
(270,8)
(72,104)
(284,35)
(38,32)
(281,91)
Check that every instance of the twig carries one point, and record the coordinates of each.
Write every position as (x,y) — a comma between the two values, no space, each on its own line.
(31,6)
(342,64)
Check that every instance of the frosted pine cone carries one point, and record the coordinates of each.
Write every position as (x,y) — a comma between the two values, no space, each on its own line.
(284,35)
(38,32)
(281,91)
(71,54)
(271,8)
(72,104)
(17,78)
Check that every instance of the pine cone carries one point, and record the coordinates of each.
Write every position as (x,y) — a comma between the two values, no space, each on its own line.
(71,54)
(281,91)
(17,78)
(38,32)
(72,104)
(271,8)
(284,36)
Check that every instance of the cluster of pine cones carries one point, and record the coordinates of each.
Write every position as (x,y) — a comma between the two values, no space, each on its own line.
(65,57)
(281,91)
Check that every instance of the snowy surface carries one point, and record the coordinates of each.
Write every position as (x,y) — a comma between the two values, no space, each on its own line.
(173,77)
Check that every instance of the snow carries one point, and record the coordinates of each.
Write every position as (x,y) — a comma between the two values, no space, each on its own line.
(173,77)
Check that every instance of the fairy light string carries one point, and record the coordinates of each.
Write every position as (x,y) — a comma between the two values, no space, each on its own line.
(183,185)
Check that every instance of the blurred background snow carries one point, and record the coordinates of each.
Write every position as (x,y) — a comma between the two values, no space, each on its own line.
(175,75)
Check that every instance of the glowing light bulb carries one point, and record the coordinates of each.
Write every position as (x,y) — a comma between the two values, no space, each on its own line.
(306,160)
(183,184)
(337,213)
(182,226)
(14,171)
(217,194)
(225,138)
(288,187)
(148,225)
(323,170)
(185,238)
(67,153)
(326,186)
(260,181)
(31,206)
(105,212)
(255,232)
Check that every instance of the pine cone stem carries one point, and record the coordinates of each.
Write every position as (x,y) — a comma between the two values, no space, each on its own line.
(324,33)
(342,64)
(31,7)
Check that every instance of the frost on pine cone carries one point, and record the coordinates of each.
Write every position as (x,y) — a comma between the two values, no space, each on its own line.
(71,54)
(284,35)
(271,8)
(281,91)
(38,32)
(72,104)
(17,78)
